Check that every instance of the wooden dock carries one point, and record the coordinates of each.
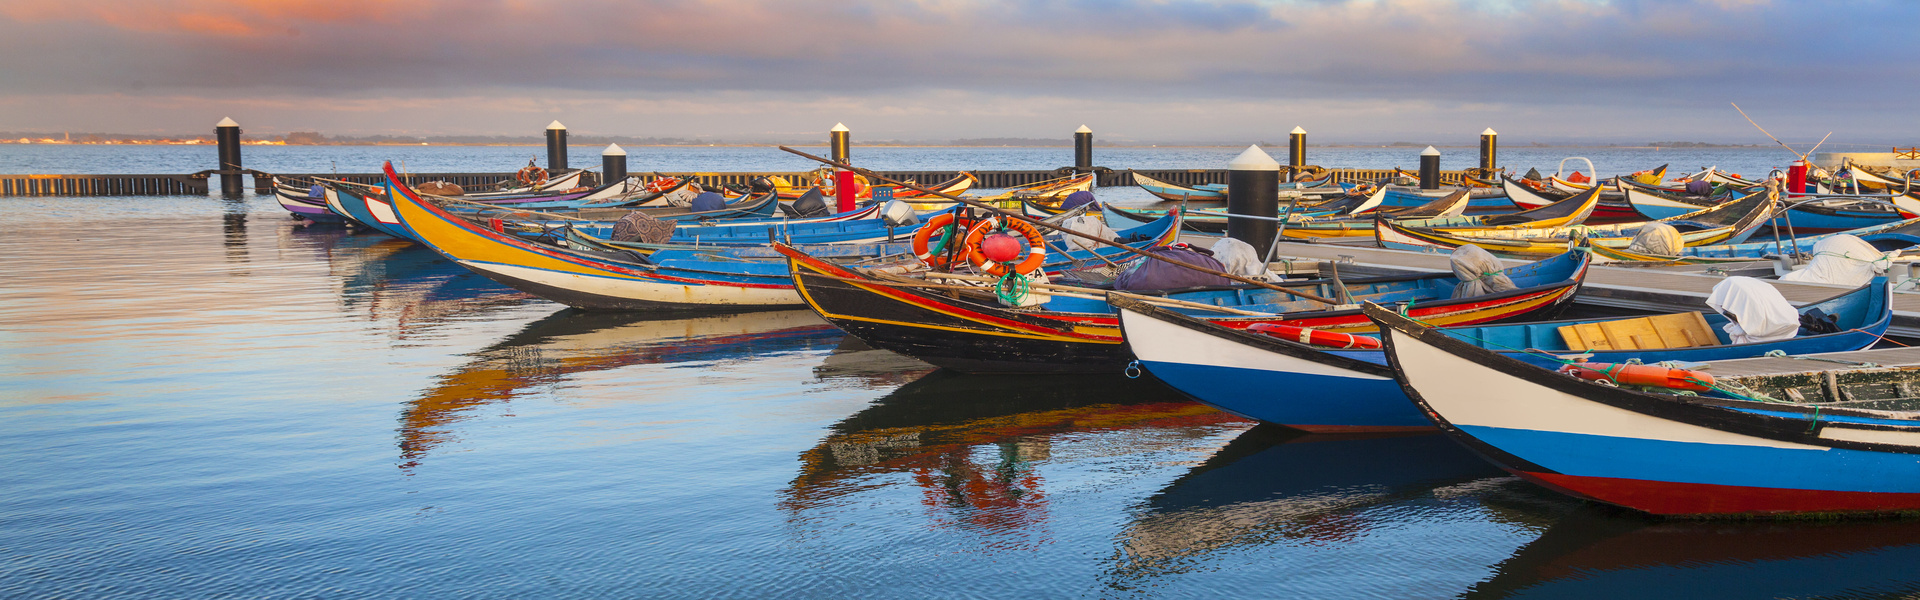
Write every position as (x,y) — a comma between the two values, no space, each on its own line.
(1636,288)
(103,185)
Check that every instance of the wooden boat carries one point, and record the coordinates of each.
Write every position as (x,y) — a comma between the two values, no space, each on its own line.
(1732,222)
(1241,371)
(1215,223)
(1175,193)
(305,207)
(1840,434)
(1886,238)
(953,187)
(1574,210)
(1053,190)
(368,207)
(972,332)
(1443,208)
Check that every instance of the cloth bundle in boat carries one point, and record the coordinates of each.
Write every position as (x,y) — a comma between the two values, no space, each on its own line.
(1150,274)
(1758,311)
(707,202)
(1076,200)
(1089,225)
(1700,187)
(1239,258)
(1841,259)
(1658,239)
(642,227)
(441,188)
(1479,273)
(318,191)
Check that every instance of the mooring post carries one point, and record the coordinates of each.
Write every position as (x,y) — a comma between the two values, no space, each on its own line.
(1253,189)
(556,148)
(1489,146)
(613,164)
(1429,169)
(227,135)
(840,143)
(1296,152)
(1083,150)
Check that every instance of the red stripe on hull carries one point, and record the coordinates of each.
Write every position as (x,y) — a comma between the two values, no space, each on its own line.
(1668,498)
(1342,429)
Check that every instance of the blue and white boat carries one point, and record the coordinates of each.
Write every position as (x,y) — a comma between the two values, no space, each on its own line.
(1820,434)
(1324,389)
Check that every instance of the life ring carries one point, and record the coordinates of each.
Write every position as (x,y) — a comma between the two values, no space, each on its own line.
(923,240)
(861,187)
(1036,247)
(1316,337)
(531,175)
(1648,375)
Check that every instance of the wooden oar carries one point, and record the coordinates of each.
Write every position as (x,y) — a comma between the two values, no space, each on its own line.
(1019,217)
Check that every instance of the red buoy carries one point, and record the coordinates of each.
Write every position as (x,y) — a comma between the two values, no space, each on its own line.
(1315,337)
(1649,375)
(1000,248)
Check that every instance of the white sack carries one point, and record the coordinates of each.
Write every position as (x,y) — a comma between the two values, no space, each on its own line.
(1089,225)
(1659,239)
(1841,259)
(1479,273)
(1758,311)
(1241,259)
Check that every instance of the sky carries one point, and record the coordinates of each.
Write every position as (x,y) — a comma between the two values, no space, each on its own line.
(1440,71)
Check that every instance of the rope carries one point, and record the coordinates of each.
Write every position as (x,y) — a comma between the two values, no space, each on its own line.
(1012,288)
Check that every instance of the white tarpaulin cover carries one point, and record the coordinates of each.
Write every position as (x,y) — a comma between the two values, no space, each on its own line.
(1241,259)
(1759,312)
(1089,225)
(1842,259)
(1479,272)
(1658,239)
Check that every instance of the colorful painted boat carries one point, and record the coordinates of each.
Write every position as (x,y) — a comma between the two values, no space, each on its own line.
(1731,222)
(304,206)
(974,333)
(1249,373)
(1841,434)
(1175,193)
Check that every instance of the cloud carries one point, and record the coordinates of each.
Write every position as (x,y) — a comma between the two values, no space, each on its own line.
(1567,58)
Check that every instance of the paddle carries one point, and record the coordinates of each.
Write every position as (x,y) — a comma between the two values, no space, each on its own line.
(1020,217)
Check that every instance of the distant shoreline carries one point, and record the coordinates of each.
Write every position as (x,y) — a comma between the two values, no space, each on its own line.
(209,142)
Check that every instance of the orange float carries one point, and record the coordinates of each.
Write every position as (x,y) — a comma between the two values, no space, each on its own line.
(1036,247)
(1316,337)
(1647,375)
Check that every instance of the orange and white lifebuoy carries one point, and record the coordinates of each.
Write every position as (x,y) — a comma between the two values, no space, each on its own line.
(1316,337)
(923,239)
(1647,375)
(531,175)
(1036,247)
(661,184)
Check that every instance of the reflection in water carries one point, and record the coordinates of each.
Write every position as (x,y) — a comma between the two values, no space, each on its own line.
(569,342)
(1274,483)
(234,225)
(866,366)
(391,278)
(972,445)
(1595,552)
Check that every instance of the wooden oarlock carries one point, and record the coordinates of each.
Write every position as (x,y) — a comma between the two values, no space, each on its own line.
(1016,216)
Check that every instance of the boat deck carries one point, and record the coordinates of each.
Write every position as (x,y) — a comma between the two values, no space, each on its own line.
(1810,363)
(1619,287)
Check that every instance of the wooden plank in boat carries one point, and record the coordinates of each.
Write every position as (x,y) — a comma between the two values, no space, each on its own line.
(1680,330)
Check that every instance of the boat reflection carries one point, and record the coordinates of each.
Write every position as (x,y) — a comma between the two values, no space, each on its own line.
(388,278)
(971,445)
(571,342)
(866,366)
(1272,483)
(1596,552)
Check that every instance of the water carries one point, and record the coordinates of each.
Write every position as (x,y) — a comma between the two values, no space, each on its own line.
(201,399)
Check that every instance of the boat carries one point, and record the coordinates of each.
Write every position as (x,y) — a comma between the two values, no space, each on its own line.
(1818,434)
(306,207)
(952,187)
(1215,223)
(1352,390)
(972,332)
(1886,238)
(1175,193)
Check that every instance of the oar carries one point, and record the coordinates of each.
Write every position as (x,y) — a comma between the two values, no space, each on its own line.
(1019,217)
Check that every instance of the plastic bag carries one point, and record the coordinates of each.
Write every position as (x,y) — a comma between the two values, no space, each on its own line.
(1841,259)
(1479,273)
(1089,225)
(1758,311)
(1239,258)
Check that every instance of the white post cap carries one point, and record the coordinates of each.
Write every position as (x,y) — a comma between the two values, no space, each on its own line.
(226,122)
(556,125)
(839,127)
(1489,131)
(613,150)
(1254,159)
(1083,129)
(1429,152)
(1299,131)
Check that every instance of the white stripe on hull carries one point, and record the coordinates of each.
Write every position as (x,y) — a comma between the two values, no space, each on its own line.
(1155,340)
(644,290)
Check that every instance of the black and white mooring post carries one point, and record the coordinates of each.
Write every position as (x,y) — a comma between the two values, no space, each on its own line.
(556,148)
(1253,189)
(613,164)
(1489,146)
(1083,150)
(1429,169)
(840,143)
(1296,152)
(227,135)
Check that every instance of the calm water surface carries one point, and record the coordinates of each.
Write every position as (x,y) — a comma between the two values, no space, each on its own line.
(199,398)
